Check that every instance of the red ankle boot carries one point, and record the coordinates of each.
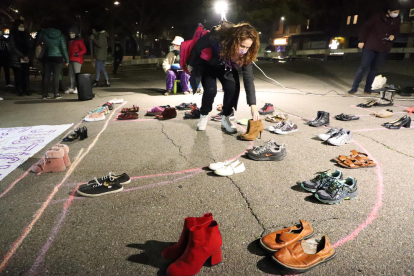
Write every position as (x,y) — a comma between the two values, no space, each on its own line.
(175,251)
(204,242)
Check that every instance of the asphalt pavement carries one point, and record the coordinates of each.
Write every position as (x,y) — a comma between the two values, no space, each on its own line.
(46,229)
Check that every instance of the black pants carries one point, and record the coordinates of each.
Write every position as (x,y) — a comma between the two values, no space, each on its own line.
(231,87)
(371,61)
(49,68)
(21,78)
(6,68)
(116,65)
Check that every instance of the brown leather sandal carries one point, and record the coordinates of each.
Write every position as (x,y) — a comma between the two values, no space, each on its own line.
(357,163)
(354,153)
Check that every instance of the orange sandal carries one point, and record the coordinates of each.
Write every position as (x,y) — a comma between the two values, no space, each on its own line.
(357,163)
(354,154)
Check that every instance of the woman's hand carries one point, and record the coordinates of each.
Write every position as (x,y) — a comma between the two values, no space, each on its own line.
(189,68)
(391,37)
(255,113)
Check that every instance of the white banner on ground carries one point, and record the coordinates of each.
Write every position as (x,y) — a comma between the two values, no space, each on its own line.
(18,144)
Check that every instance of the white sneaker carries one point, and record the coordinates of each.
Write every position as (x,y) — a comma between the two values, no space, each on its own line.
(341,138)
(10,86)
(220,165)
(277,126)
(227,125)
(1,98)
(69,91)
(116,101)
(232,168)
(202,123)
(329,134)
(75,91)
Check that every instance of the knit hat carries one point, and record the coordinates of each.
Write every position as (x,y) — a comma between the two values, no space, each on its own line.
(74,29)
(393,5)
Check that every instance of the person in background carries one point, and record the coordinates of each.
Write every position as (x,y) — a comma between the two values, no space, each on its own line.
(100,49)
(118,56)
(234,48)
(76,51)
(5,58)
(375,39)
(54,55)
(171,66)
(19,42)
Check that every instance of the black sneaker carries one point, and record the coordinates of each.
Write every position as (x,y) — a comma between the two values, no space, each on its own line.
(106,185)
(45,96)
(57,96)
(186,106)
(95,84)
(122,178)
(271,151)
(352,91)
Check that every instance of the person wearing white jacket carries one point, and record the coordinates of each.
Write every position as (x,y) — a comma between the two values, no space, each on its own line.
(171,66)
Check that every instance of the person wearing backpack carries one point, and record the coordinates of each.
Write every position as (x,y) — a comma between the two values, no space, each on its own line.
(55,53)
(234,48)
(172,68)
(76,51)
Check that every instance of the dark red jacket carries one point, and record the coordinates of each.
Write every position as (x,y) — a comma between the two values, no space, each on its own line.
(76,46)
(378,27)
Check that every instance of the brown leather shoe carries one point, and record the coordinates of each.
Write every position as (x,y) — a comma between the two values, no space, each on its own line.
(168,113)
(304,255)
(254,128)
(287,236)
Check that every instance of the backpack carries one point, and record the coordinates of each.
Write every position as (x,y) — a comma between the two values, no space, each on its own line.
(188,45)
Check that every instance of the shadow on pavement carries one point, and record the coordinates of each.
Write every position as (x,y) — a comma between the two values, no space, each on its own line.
(313,199)
(148,91)
(255,248)
(298,188)
(40,101)
(151,255)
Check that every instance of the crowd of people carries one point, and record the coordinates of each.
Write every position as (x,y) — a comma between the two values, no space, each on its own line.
(51,50)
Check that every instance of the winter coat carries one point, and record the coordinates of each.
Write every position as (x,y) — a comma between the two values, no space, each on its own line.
(378,27)
(212,40)
(100,46)
(4,50)
(19,44)
(55,44)
(169,61)
(76,46)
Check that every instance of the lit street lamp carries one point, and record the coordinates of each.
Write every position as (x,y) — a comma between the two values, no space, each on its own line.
(116,3)
(282,18)
(221,8)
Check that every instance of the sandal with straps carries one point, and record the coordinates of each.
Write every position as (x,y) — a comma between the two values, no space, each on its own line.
(368,104)
(354,154)
(345,117)
(357,163)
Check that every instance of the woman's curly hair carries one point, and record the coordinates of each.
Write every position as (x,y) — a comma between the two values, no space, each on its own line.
(234,36)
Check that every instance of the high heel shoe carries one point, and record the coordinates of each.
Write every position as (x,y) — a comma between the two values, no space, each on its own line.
(86,132)
(255,128)
(72,136)
(403,123)
(204,242)
(83,133)
(395,121)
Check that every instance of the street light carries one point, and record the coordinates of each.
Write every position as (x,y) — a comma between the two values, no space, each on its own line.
(282,18)
(116,3)
(221,8)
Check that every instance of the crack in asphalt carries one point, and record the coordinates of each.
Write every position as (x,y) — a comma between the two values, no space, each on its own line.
(388,147)
(248,206)
(178,146)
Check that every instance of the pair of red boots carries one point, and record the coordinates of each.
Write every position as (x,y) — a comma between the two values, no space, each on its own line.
(199,240)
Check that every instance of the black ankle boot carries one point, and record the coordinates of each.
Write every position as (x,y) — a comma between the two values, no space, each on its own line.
(107,84)
(95,84)
(318,116)
(322,121)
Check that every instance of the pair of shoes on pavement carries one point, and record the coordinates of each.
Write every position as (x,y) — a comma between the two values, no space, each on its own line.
(295,250)
(116,101)
(98,114)
(156,110)
(186,106)
(322,119)
(330,188)
(270,151)
(129,113)
(267,109)
(56,159)
(355,160)
(71,91)
(168,113)
(337,137)
(200,240)
(96,84)
(228,167)
(192,114)
(276,118)
(107,184)
(81,133)
(283,127)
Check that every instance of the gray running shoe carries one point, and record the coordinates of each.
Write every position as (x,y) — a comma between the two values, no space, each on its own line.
(270,151)
(320,181)
(338,190)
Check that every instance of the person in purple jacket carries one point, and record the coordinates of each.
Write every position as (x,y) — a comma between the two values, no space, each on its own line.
(375,39)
